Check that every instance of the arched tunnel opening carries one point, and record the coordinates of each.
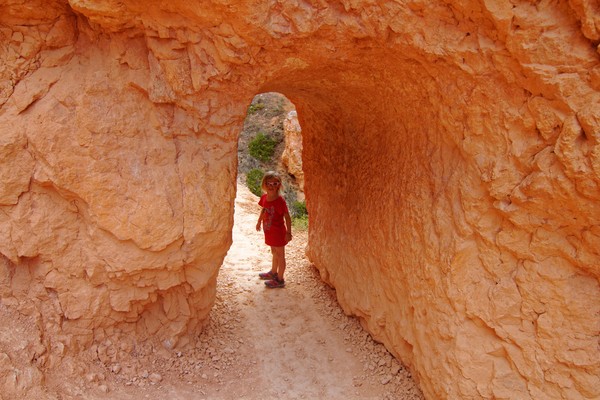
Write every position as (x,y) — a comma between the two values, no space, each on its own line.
(302,322)
(378,163)
(271,140)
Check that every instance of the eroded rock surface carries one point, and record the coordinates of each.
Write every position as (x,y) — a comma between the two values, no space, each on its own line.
(292,155)
(451,173)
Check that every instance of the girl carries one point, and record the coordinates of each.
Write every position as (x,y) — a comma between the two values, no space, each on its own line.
(277,233)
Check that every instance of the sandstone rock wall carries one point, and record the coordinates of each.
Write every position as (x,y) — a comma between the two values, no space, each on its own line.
(450,158)
(292,155)
(107,206)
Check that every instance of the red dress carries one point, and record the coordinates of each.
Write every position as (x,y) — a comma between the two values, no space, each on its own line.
(273,224)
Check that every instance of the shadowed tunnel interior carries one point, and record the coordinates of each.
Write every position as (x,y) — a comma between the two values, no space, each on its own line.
(383,177)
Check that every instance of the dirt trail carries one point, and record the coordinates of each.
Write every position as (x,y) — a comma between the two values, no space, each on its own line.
(259,343)
(297,340)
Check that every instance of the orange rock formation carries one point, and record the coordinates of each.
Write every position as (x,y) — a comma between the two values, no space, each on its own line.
(292,155)
(451,159)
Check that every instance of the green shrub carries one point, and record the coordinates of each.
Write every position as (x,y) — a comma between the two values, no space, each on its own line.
(299,215)
(300,224)
(262,147)
(253,181)
(298,209)
(254,108)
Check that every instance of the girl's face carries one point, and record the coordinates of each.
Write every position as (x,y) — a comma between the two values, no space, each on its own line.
(272,185)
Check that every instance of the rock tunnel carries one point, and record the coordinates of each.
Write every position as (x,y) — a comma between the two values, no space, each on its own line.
(451,165)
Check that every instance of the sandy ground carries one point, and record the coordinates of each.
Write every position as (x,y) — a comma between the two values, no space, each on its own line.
(260,343)
(298,340)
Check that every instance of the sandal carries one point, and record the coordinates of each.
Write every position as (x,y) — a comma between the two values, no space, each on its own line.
(268,275)
(275,283)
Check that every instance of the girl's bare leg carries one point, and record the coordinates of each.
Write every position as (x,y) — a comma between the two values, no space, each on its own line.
(274,261)
(279,260)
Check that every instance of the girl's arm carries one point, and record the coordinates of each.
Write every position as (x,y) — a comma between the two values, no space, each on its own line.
(288,226)
(260,218)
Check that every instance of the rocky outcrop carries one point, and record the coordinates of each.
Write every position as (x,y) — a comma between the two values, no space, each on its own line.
(107,212)
(451,173)
(292,154)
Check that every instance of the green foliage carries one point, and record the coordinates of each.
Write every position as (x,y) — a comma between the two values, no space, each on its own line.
(253,181)
(300,223)
(255,107)
(262,147)
(299,215)
(298,209)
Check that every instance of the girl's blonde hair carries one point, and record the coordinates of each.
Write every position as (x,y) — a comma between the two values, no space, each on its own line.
(271,175)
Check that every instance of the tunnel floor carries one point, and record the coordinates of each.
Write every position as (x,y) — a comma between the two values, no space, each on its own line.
(295,342)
